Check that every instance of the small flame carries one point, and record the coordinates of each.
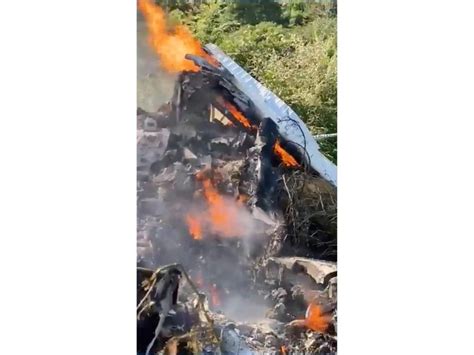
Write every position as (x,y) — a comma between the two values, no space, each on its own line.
(211,288)
(285,157)
(215,299)
(222,215)
(199,280)
(235,112)
(315,319)
(283,350)
(194,226)
(171,45)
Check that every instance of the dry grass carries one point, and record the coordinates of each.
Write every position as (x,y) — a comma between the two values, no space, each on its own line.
(311,212)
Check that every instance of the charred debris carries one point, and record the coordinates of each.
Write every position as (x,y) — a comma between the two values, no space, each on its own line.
(236,230)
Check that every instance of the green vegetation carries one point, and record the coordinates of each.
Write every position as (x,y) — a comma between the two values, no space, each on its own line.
(289,46)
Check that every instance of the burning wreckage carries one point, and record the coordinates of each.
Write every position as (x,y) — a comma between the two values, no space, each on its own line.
(236,221)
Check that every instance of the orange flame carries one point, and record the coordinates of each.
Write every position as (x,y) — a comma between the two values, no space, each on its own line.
(170,45)
(222,214)
(283,350)
(211,288)
(284,156)
(215,299)
(315,319)
(194,226)
(235,112)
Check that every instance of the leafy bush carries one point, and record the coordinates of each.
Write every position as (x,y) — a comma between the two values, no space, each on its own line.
(297,62)
(170,5)
(253,46)
(306,79)
(213,21)
(296,13)
(256,11)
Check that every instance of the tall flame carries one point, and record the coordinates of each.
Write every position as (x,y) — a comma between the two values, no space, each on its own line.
(285,157)
(170,45)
